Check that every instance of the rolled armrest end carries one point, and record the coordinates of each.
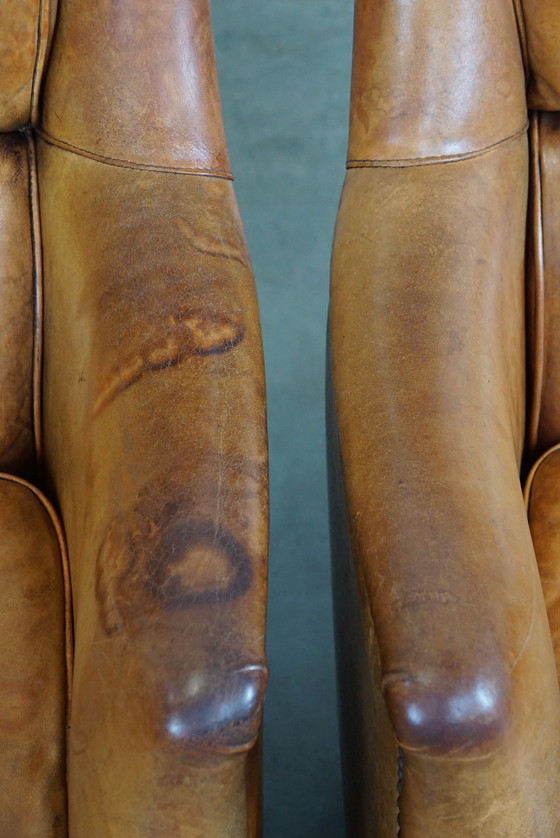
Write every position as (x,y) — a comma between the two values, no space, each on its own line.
(440,717)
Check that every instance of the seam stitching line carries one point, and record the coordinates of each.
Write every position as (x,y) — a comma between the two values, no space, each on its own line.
(130,164)
(404,162)
(37,57)
(37,299)
(400,781)
(519,13)
(538,287)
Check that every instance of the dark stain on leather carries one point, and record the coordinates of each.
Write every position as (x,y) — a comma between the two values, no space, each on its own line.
(170,561)
(13,150)
(199,332)
(188,546)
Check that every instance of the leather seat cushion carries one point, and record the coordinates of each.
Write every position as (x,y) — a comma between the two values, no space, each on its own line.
(33,667)
(16,307)
(542,496)
(544,282)
(542,21)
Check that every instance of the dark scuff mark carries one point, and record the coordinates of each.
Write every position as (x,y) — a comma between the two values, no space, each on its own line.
(186,536)
(192,332)
(169,561)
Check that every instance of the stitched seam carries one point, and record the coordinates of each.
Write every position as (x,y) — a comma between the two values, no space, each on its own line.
(400,781)
(130,164)
(538,289)
(37,57)
(522,30)
(37,296)
(405,162)
(40,49)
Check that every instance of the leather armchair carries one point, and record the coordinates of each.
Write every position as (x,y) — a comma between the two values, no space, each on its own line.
(132,618)
(443,338)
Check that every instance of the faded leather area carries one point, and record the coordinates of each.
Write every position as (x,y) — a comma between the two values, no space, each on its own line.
(542,24)
(33,677)
(26,26)
(17,307)
(155,443)
(137,87)
(434,79)
(543,270)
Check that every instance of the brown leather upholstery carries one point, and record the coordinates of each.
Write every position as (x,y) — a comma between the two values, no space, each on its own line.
(132,366)
(18,336)
(36,664)
(542,494)
(449,694)
(25,36)
(540,36)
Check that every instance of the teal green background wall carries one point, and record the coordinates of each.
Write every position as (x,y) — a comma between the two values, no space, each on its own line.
(284,69)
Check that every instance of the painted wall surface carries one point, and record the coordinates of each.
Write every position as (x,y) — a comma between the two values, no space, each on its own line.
(284,69)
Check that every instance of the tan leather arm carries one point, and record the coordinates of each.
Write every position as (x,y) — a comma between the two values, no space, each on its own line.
(448,683)
(425,392)
(155,441)
(155,436)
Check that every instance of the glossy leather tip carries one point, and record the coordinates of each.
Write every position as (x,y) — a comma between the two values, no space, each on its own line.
(465,716)
(219,713)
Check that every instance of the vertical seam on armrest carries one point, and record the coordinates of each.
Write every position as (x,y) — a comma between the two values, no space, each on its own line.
(522,30)
(37,269)
(37,62)
(538,290)
(400,783)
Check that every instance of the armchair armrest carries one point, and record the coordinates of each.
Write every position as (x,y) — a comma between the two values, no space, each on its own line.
(155,434)
(449,696)
(155,443)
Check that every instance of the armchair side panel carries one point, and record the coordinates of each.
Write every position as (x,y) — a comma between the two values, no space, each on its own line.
(155,429)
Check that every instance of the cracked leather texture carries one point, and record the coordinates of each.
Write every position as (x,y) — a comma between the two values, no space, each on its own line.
(135,84)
